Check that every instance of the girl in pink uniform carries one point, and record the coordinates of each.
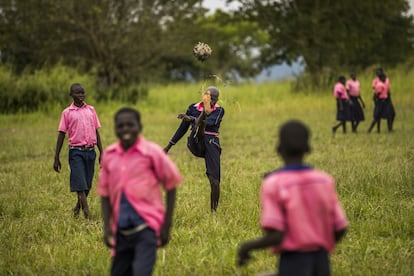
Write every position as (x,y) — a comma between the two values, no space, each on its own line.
(354,90)
(384,108)
(343,105)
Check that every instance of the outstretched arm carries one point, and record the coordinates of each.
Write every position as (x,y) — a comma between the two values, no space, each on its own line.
(271,237)
(57,165)
(181,130)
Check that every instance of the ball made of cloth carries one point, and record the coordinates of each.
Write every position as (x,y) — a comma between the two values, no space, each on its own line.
(202,51)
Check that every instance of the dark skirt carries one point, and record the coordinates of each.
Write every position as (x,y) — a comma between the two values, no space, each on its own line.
(345,113)
(384,109)
(357,112)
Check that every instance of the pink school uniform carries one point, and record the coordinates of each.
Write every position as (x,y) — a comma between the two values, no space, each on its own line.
(81,124)
(302,203)
(354,87)
(340,91)
(139,173)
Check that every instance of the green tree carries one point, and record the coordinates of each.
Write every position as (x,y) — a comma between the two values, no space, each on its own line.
(332,36)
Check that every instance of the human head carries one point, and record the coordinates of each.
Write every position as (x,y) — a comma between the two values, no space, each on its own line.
(342,79)
(379,71)
(214,93)
(293,139)
(128,125)
(77,93)
(353,75)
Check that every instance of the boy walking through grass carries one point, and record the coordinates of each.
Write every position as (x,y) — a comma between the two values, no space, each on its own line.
(301,215)
(134,172)
(81,123)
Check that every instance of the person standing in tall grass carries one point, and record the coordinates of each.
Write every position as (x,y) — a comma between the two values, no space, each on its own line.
(204,118)
(384,108)
(301,215)
(343,105)
(353,88)
(81,122)
(134,172)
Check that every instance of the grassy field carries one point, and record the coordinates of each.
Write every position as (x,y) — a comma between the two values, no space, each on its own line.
(374,173)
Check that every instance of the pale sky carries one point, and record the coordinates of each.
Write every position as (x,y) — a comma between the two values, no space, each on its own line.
(215,4)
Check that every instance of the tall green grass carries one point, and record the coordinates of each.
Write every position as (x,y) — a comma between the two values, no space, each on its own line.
(374,174)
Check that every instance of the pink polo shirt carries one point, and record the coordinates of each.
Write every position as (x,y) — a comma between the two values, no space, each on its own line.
(81,124)
(380,89)
(302,203)
(354,87)
(339,91)
(387,83)
(140,172)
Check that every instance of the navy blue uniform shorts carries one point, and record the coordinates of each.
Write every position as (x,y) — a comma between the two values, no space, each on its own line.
(82,167)
(314,263)
(209,149)
(135,254)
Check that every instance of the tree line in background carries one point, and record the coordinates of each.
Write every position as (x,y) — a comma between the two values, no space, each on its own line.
(134,42)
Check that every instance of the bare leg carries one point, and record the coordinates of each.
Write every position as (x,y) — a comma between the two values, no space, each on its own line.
(372,125)
(76,209)
(379,126)
(335,127)
(356,123)
(83,204)
(343,127)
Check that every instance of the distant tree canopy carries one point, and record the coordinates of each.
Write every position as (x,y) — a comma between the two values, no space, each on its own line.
(329,35)
(134,41)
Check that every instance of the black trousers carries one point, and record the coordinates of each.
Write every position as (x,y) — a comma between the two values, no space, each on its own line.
(208,148)
(135,254)
(314,263)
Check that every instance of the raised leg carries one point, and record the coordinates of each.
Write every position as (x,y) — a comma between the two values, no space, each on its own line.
(214,194)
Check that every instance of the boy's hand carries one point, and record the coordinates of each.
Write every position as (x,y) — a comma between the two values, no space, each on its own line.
(164,237)
(57,165)
(243,255)
(109,238)
(185,117)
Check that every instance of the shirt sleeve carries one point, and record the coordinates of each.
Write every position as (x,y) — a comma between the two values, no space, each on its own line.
(63,126)
(165,169)
(182,129)
(102,186)
(96,121)
(272,212)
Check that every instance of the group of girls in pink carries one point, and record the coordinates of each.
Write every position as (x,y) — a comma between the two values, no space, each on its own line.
(350,104)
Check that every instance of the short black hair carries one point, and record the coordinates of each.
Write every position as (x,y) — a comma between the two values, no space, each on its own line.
(73,86)
(342,79)
(133,111)
(294,138)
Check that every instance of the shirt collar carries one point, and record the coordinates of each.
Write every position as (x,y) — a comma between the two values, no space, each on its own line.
(199,106)
(74,107)
(138,146)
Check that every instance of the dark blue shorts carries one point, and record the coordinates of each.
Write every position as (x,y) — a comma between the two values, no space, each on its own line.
(209,149)
(82,167)
(135,254)
(314,263)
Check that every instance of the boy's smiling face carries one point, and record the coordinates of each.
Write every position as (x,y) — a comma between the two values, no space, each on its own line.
(127,128)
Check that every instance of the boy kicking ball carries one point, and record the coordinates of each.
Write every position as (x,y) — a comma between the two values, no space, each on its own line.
(301,215)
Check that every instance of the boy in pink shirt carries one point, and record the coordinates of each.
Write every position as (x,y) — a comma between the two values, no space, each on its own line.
(132,176)
(301,214)
(81,123)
